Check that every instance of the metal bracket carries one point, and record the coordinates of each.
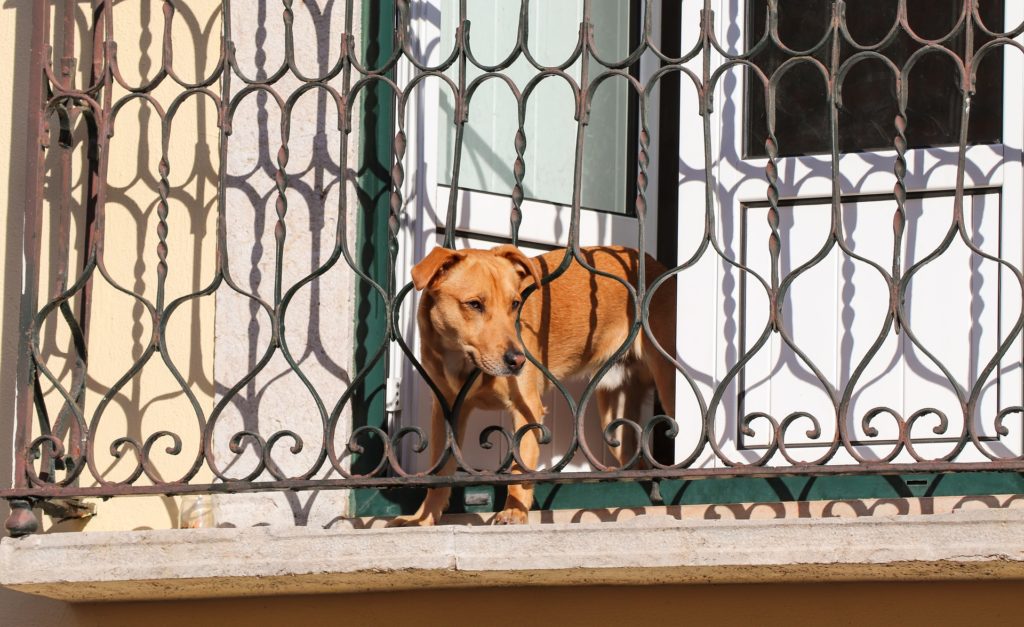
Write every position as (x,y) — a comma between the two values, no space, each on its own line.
(393,395)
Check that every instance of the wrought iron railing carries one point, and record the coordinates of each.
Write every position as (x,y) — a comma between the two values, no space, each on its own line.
(58,430)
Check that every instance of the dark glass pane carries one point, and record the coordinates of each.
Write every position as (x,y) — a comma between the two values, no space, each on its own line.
(867,117)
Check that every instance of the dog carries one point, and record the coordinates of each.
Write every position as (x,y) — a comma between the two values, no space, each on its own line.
(573,325)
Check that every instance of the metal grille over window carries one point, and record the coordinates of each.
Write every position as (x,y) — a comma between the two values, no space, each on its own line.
(224,208)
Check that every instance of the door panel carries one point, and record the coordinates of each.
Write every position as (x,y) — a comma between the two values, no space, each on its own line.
(959,306)
(488,151)
(836,310)
(483,205)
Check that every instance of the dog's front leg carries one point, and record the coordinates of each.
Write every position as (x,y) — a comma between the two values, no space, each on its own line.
(520,496)
(430,511)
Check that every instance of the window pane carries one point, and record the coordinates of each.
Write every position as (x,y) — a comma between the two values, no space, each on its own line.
(488,151)
(866,120)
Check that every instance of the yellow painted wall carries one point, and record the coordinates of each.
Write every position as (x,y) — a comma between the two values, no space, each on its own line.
(120,328)
(903,604)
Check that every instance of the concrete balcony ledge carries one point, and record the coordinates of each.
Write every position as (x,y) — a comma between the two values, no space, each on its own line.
(649,549)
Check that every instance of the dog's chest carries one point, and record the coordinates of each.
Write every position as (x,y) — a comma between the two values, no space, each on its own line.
(491,393)
(452,372)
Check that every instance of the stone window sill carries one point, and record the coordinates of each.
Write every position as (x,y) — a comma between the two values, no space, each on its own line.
(664,546)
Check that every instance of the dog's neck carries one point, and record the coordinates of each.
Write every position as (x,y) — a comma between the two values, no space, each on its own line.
(447,366)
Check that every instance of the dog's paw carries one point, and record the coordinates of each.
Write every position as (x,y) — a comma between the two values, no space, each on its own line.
(413,520)
(511,516)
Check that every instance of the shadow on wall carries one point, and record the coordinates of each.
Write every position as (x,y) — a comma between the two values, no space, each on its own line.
(127,389)
(283,246)
(168,213)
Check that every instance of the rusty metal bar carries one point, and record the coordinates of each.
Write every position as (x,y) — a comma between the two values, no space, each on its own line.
(505,478)
(22,521)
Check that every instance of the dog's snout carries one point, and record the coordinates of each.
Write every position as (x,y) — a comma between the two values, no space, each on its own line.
(514,359)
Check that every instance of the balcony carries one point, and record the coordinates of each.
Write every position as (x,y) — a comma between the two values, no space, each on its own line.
(222,218)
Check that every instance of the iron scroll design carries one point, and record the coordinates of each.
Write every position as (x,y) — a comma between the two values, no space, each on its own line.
(55,456)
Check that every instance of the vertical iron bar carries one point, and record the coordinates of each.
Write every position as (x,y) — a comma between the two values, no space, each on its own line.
(705,107)
(60,250)
(668,138)
(223,132)
(102,32)
(519,166)
(22,520)
(967,402)
(573,243)
(518,173)
(899,217)
(96,214)
(368,406)
(451,218)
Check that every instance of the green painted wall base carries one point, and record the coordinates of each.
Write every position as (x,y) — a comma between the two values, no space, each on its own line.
(706,491)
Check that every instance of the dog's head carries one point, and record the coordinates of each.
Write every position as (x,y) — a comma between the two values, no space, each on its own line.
(473,299)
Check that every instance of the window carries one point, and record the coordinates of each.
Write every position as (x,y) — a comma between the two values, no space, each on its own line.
(866,121)
(488,151)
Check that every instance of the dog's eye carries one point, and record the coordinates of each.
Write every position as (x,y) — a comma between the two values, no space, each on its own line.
(475,304)
(515,304)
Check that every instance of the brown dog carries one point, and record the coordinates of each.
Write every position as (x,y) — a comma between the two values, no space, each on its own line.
(573,325)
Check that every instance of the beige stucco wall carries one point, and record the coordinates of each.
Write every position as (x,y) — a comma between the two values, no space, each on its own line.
(320,324)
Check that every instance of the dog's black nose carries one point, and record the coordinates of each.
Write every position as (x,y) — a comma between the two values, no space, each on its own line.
(514,360)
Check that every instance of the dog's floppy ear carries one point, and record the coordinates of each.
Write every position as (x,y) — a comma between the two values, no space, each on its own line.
(439,260)
(525,266)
